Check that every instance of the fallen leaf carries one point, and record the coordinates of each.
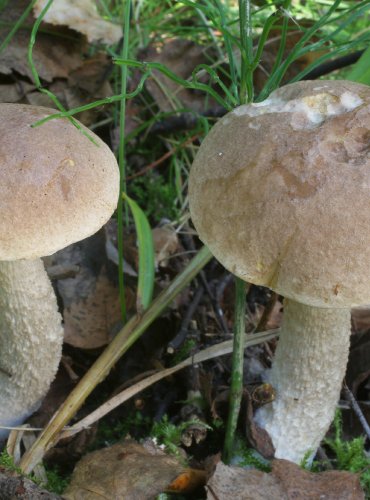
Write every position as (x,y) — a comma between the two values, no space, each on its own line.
(235,482)
(92,74)
(16,486)
(127,471)
(91,307)
(54,56)
(187,481)
(257,437)
(360,319)
(287,481)
(14,92)
(166,243)
(82,16)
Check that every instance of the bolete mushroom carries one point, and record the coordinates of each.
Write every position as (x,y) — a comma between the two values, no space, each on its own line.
(56,187)
(280,193)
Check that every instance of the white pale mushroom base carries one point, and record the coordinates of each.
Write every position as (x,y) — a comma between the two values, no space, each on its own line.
(307,376)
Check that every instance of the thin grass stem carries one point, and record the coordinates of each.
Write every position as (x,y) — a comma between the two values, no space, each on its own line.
(16,26)
(246,40)
(121,159)
(236,388)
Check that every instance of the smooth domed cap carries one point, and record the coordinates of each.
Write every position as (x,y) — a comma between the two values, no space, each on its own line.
(56,186)
(280,192)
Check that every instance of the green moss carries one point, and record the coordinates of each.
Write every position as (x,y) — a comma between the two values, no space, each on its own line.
(155,196)
(243,456)
(169,434)
(55,482)
(350,455)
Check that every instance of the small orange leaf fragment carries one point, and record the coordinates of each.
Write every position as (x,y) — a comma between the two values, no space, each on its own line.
(187,481)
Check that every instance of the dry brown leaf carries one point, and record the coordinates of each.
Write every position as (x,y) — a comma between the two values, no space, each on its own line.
(82,16)
(14,92)
(287,481)
(54,56)
(187,481)
(235,482)
(88,323)
(92,74)
(361,319)
(127,471)
(258,437)
(91,298)
(166,243)
(20,487)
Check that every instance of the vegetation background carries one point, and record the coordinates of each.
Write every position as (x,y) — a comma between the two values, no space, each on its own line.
(153,94)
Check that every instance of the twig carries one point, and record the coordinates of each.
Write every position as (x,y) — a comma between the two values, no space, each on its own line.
(164,157)
(267,313)
(356,408)
(212,352)
(219,315)
(178,340)
(62,271)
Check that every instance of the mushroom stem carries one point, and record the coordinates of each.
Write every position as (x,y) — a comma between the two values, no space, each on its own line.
(307,374)
(31,337)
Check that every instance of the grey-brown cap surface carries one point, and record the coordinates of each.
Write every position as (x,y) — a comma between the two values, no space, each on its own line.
(280,192)
(56,186)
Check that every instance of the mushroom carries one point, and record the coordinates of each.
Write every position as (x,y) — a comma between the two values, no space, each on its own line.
(56,187)
(280,193)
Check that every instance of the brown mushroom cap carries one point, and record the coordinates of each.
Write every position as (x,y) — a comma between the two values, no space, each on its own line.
(56,186)
(280,192)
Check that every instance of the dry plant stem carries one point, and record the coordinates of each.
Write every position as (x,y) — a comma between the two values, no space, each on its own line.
(307,374)
(212,352)
(100,369)
(357,409)
(31,339)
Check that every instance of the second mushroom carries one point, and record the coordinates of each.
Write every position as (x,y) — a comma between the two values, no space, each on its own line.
(280,193)
(56,187)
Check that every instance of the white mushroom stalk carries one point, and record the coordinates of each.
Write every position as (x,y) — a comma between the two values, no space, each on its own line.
(31,337)
(307,375)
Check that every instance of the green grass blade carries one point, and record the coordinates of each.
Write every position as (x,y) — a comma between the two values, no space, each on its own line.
(122,158)
(146,256)
(17,25)
(36,76)
(360,71)
(187,84)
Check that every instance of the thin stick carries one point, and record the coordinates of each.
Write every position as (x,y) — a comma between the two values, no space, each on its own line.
(356,408)
(100,369)
(164,157)
(236,388)
(212,352)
